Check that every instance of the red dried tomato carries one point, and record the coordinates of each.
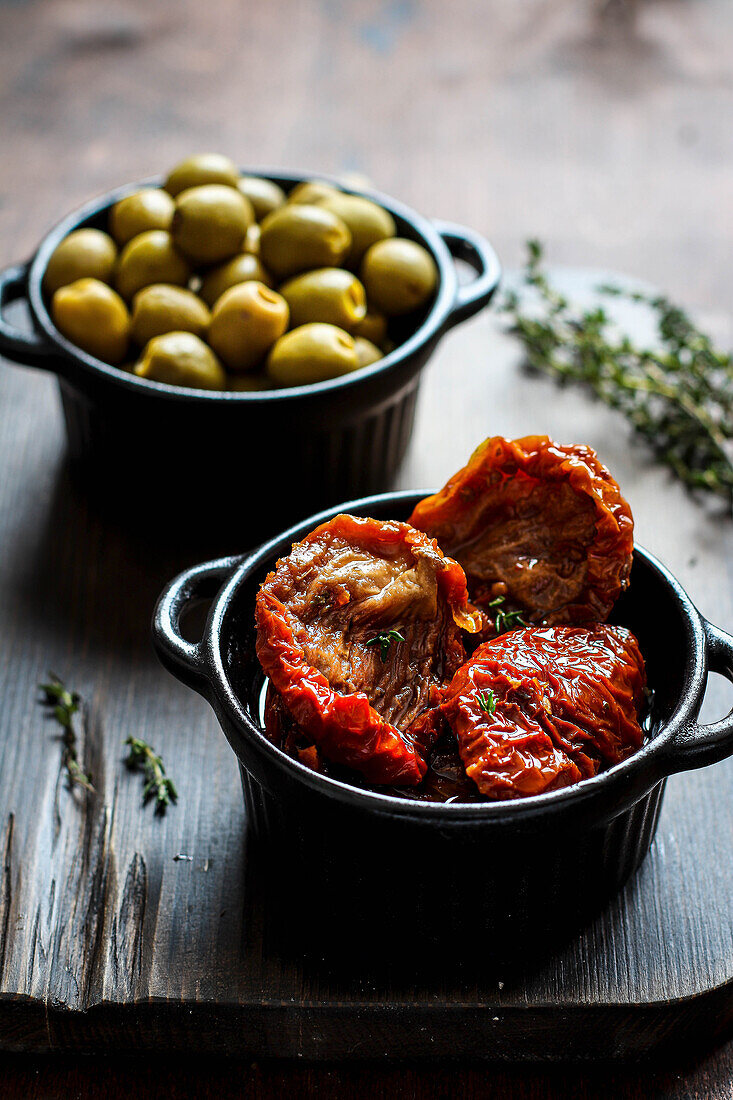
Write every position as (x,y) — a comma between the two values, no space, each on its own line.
(283,732)
(541,708)
(358,629)
(541,530)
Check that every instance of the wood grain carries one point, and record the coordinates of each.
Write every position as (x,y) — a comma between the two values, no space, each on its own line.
(115,1078)
(601,127)
(119,943)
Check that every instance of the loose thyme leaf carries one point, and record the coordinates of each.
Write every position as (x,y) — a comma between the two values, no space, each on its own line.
(505,620)
(486,701)
(63,705)
(156,784)
(384,640)
(678,396)
(62,715)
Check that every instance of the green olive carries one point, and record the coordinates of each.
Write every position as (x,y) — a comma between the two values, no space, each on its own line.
(94,317)
(310,191)
(249,383)
(202,169)
(328,294)
(210,222)
(311,353)
(367,222)
(264,195)
(150,208)
(242,269)
(160,308)
(398,276)
(366,351)
(297,238)
(181,359)
(149,258)
(245,323)
(252,240)
(84,254)
(372,327)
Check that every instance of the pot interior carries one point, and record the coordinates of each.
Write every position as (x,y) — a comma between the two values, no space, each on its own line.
(649,607)
(96,215)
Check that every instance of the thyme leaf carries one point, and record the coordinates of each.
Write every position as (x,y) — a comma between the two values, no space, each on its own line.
(505,620)
(384,640)
(486,701)
(155,782)
(677,396)
(63,705)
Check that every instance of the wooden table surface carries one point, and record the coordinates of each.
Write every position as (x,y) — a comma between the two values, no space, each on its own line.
(602,128)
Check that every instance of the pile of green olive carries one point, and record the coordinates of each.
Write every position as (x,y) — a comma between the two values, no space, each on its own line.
(221,281)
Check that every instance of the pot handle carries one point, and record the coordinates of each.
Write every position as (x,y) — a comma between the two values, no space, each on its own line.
(475,250)
(696,745)
(185,660)
(26,348)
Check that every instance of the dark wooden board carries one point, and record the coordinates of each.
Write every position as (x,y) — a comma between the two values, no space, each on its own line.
(603,128)
(116,1077)
(108,942)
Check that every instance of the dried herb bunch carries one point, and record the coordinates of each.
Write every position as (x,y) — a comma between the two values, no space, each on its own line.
(678,396)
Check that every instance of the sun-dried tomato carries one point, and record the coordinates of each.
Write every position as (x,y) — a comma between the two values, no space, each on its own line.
(358,630)
(541,708)
(541,530)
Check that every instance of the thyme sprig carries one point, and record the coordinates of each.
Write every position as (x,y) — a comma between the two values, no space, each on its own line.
(677,396)
(505,620)
(64,705)
(156,785)
(384,640)
(486,701)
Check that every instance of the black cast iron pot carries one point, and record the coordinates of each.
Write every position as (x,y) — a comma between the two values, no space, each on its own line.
(189,452)
(372,867)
